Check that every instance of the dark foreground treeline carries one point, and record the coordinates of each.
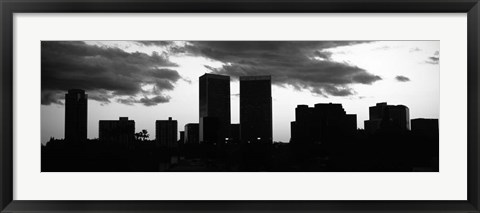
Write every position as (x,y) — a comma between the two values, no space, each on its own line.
(383,152)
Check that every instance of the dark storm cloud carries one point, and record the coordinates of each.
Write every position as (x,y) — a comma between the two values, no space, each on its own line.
(293,63)
(334,90)
(127,101)
(145,100)
(435,59)
(323,55)
(100,96)
(154,101)
(154,43)
(52,97)
(105,73)
(402,78)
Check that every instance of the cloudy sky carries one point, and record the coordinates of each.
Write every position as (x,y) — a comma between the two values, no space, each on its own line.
(154,80)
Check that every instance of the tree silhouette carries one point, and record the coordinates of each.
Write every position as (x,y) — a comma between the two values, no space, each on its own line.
(143,135)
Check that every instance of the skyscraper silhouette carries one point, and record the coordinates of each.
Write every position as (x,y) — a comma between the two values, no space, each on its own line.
(76,115)
(255,109)
(166,132)
(234,133)
(214,108)
(383,116)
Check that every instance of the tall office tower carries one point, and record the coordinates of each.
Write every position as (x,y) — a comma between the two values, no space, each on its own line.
(324,122)
(234,133)
(214,108)
(255,109)
(166,132)
(76,115)
(121,131)
(191,133)
(383,116)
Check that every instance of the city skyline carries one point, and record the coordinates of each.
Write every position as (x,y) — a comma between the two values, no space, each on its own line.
(151,102)
(324,138)
(256,120)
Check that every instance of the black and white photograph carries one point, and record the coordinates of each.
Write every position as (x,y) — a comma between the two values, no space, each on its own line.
(240,106)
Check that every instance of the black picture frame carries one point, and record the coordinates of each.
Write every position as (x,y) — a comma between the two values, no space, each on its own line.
(9,7)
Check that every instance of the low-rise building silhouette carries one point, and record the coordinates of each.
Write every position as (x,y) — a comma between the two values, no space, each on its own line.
(426,138)
(387,117)
(166,132)
(76,115)
(425,126)
(321,123)
(182,138)
(191,133)
(120,131)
